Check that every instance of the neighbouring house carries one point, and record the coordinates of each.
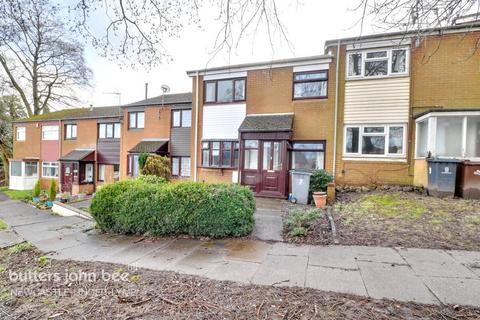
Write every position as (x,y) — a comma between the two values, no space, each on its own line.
(254,122)
(403,96)
(78,147)
(159,125)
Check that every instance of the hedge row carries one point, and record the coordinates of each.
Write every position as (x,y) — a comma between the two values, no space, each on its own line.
(146,206)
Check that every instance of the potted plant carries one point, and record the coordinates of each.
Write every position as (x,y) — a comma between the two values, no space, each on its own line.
(52,193)
(318,187)
(65,197)
(36,192)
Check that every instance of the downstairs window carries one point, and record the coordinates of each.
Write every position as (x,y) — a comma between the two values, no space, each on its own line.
(375,140)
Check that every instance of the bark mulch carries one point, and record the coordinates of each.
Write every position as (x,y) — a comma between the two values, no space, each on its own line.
(397,218)
(150,294)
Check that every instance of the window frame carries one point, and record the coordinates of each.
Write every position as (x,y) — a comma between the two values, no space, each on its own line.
(386,134)
(21,168)
(181,111)
(294,82)
(292,149)
(51,164)
(25,163)
(24,129)
(130,164)
(66,131)
(234,80)
(181,174)
(364,59)
(136,127)
(104,166)
(50,126)
(113,125)
(234,146)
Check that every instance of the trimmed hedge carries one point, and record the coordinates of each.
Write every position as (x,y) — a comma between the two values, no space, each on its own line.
(198,209)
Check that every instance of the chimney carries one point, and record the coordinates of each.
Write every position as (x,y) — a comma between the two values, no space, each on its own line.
(146,90)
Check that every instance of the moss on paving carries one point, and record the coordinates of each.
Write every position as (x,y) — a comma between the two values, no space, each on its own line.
(3,225)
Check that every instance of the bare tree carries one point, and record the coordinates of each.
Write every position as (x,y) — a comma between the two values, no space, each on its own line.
(417,15)
(40,58)
(136,29)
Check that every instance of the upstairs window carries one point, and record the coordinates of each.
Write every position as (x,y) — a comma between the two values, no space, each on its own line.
(70,131)
(225,91)
(377,63)
(109,131)
(21,134)
(136,120)
(50,133)
(181,118)
(308,85)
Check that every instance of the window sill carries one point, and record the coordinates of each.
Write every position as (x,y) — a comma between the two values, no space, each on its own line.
(310,98)
(217,168)
(402,75)
(375,159)
(222,103)
(69,139)
(136,129)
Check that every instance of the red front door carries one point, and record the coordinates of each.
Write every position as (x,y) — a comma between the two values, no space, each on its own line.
(264,167)
(67,176)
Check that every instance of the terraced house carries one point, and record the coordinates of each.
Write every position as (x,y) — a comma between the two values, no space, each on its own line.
(254,122)
(403,97)
(79,147)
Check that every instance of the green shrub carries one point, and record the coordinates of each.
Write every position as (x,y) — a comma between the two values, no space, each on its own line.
(298,232)
(149,179)
(319,181)
(157,166)
(37,189)
(197,209)
(52,191)
(142,158)
(300,218)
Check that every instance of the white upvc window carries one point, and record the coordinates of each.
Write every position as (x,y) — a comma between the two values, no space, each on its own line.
(377,63)
(49,169)
(448,135)
(21,134)
(375,141)
(50,133)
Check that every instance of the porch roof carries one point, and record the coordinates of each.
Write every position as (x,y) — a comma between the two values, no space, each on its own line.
(267,123)
(78,155)
(149,146)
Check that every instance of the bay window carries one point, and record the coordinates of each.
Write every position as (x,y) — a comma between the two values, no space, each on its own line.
(308,155)
(448,135)
(31,169)
(225,91)
(375,140)
(220,154)
(377,63)
(308,85)
(15,168)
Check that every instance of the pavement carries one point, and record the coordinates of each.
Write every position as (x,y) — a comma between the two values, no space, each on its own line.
(404,274)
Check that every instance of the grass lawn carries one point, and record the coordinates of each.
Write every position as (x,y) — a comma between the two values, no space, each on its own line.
(17,194)
(149,294)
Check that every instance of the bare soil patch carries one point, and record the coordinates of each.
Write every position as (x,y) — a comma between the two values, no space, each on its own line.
(406,219)
(166,295)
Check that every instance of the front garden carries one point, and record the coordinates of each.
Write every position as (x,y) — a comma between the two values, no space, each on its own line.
(394,217)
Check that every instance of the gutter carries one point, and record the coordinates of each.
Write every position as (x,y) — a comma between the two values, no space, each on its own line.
(195,152)
(335,127)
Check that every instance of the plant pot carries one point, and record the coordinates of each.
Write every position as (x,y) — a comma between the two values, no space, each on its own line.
(35,199)
(320,199)
(49,203)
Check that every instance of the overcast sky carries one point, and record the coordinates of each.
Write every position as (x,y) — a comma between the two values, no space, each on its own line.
(309,23)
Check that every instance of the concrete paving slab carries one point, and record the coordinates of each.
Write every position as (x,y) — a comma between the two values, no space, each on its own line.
(202,259)
(333,256)
(435,263)
(469,259)
(9,238)
(282,271)
(61,242)
(377,254)
(268,227)
(238,271)
(163,258)
(134,251)
(394,282)
(335,280)
(52,229)
(455,290)
(286,249)
(246,250)
(3,197)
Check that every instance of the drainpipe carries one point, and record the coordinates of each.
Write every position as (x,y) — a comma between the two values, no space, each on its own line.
(195,152)
(335,126)
(60,131)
